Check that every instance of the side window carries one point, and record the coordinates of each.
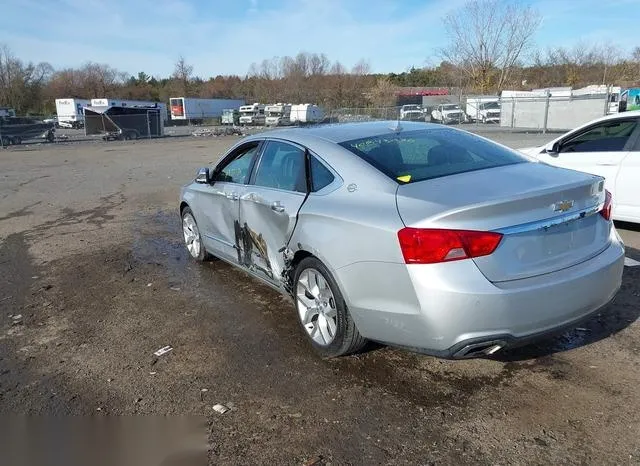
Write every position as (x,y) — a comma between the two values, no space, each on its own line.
(605,137)
(320,175)
(237,169)
(282,166)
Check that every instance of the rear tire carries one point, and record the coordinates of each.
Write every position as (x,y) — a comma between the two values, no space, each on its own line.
(322,312)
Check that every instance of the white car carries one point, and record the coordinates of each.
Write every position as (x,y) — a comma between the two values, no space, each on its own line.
(609,147)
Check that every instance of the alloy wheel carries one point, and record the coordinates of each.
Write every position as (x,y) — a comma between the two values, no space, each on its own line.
(191,235)
(316,306)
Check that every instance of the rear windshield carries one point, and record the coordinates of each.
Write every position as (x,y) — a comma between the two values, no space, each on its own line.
(421,155)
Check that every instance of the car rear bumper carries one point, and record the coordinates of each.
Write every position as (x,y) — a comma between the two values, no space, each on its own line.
(442,309)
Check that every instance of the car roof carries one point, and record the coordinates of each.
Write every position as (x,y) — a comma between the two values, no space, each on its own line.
(615,116)
(341,132)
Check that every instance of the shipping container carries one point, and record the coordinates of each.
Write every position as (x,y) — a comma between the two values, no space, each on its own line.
(197,110)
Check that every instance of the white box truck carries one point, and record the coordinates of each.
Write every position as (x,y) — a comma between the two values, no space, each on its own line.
(306,113)
(197,110)
(70,113)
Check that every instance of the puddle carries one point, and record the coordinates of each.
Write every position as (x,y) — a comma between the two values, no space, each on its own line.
(16,275)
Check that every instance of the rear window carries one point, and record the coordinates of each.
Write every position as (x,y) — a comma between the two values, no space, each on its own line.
(421,155)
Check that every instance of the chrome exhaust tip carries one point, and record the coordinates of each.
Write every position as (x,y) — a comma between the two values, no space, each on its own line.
(475,350)
(493,349)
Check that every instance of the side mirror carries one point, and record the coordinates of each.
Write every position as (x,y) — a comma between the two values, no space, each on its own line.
(203,176)
(553,149)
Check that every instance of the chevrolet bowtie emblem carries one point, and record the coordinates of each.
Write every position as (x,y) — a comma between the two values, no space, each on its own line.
(562,206)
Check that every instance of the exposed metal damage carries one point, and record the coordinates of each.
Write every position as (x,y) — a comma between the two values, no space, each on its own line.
(255,255)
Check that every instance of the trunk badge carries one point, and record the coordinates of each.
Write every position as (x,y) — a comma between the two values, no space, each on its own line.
(562,206)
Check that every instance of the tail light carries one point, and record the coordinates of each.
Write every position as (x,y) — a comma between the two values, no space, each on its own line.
(606,209)
(430,246)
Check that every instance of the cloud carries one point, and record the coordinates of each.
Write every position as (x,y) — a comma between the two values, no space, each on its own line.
(226,37)
(152,34)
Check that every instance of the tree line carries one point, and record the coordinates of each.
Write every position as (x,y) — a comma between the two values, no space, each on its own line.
(490,48)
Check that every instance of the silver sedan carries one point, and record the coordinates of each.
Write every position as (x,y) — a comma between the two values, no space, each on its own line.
(410,234)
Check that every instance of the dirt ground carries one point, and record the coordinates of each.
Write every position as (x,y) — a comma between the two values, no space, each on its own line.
(94,279)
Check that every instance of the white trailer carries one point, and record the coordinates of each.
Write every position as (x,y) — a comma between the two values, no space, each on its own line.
(278,114)
(252,114)
(306,113)
(108,103)
(196,110)
(70,113)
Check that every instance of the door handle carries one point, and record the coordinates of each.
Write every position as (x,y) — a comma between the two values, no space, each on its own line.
(277,207)
(232,196)
(606,164)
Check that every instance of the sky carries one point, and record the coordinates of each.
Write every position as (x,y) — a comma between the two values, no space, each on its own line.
(226,36)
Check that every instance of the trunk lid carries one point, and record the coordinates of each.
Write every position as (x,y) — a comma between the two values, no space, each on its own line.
(548,215)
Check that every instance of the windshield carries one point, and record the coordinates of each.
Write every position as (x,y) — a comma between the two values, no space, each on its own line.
(451,107)
(421,155)
(491,105)
(411,107)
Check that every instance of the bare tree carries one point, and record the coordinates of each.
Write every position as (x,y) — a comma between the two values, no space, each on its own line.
(21,84)
(361,68)
(488,37)
(608,54)
(100,80)
(183,74)
(319,64)
(384,93)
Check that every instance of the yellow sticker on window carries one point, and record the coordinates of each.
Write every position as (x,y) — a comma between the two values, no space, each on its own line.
(404,178)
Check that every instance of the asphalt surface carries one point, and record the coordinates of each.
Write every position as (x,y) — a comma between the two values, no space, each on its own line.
(94,279)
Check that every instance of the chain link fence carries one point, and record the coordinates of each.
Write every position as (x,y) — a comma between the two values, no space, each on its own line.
(532,113)
(539,113)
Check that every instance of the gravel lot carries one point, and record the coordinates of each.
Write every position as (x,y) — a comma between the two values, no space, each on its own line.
(91,258)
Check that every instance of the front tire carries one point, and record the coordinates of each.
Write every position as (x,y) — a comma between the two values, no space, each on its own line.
(322,312)
(192,238)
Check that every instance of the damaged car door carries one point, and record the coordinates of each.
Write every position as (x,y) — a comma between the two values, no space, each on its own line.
(269,208)
(217,207)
